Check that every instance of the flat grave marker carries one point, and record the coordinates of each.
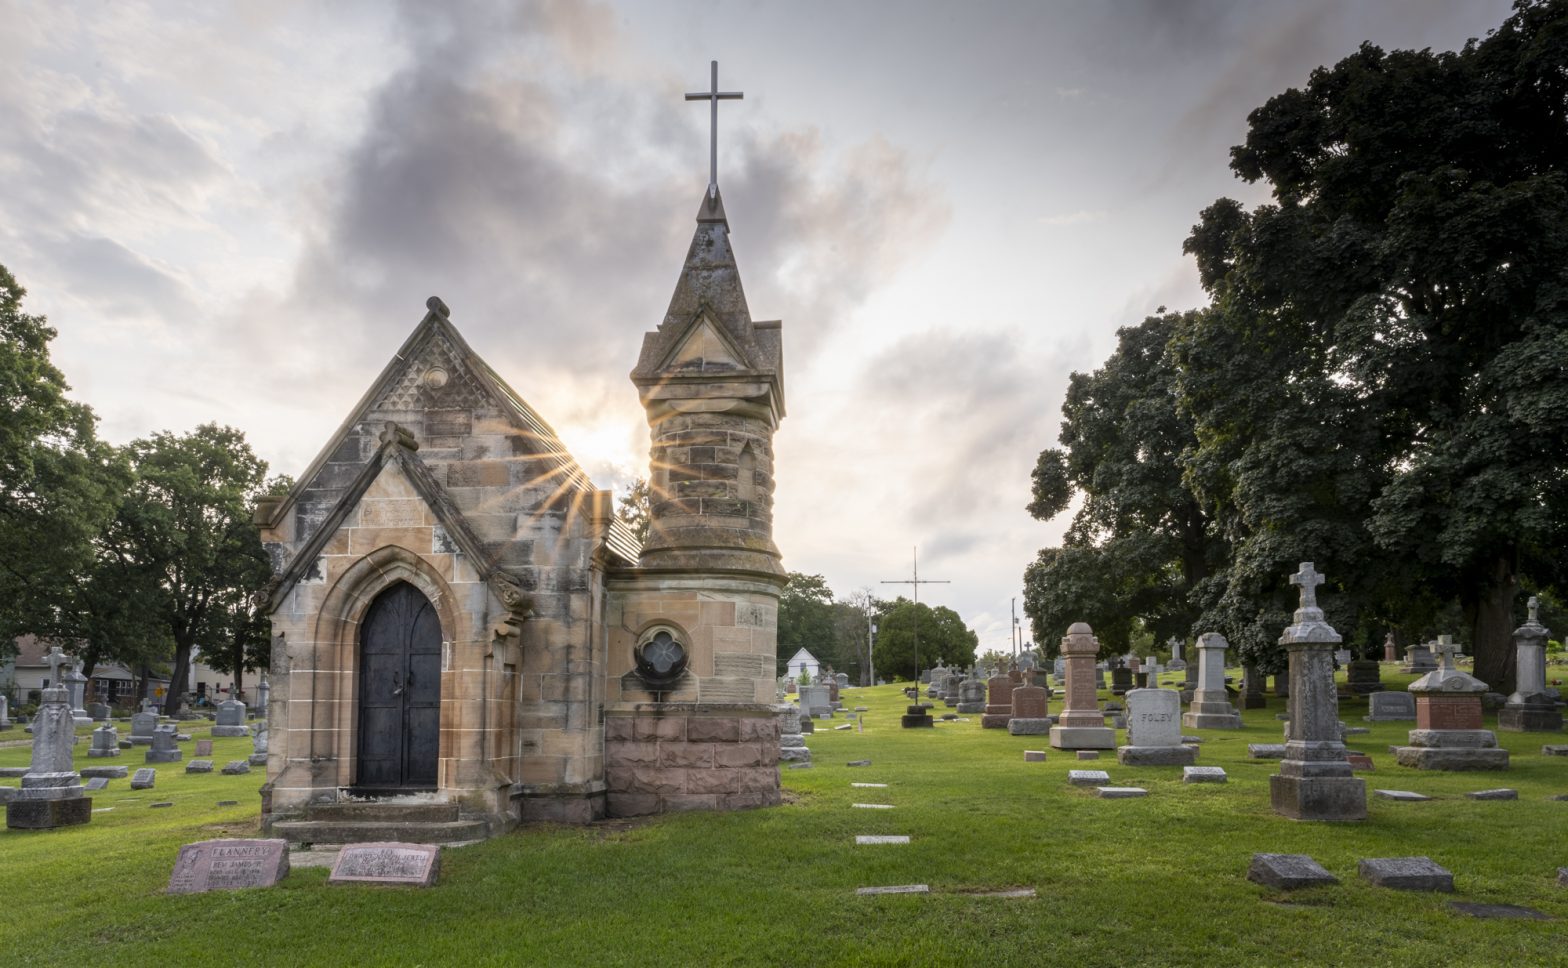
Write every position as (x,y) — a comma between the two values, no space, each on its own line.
(414,865)
(227,865)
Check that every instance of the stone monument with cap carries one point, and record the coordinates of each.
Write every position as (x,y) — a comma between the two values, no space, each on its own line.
(1530,709)
(1314,780)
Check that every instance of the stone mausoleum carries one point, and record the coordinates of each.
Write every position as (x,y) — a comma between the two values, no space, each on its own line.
(464,634)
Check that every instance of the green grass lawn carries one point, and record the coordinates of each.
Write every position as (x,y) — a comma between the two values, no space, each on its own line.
(1153,881)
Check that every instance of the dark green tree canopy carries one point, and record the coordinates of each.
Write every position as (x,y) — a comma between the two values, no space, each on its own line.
(938,633)
(1380,383)
(1140,545)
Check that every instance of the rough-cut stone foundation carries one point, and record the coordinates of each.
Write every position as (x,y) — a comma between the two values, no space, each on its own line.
(690,756)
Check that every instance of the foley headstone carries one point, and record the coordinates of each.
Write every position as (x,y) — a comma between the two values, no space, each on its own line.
(1314,781)
(414,865)
(231,719)
(226,865)
(1154,731)
(1081,724)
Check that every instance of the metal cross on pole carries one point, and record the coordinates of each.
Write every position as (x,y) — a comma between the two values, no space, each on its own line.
(713,96)
(917,581)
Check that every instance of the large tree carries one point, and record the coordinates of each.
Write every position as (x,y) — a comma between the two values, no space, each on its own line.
(805,619)
(1381,386)
(58,483)
(937,633)
(189,537)
(1140,547)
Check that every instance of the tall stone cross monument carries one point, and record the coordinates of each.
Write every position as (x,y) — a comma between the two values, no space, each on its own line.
(1314,780)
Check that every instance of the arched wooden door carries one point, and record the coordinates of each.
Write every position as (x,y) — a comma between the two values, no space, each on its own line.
(399,692)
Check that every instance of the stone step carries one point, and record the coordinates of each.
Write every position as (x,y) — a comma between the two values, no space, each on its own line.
(360,832)
(379,811)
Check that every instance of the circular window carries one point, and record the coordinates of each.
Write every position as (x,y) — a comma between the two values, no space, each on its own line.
(661,658)
(435,378)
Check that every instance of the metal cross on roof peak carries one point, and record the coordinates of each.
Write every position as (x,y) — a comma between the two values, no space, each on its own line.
(1309,579)
(713,96)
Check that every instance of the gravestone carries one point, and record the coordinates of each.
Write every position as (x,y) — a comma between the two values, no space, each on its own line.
(199,766)
(1418,659)
(142,725)
(1253,694)
(1288,872)
(999,702)
(413,865)
(5,713)
(144,778)
(1530,709)
(231,719)
(1119,793)
(164,748)
(236,767)
(51,792)
(1030,716)
(1449,733)
(227,865)
(1121,680)
(258,742)
(1364,676)
(1314,781)
(106,742)
(110,772)
(1081,724)
(98,712)
(792,743)
(76,687)
(1154,731)
(1203,774)
(96,783)
(203,747)
(1211,708)
(1407,874)
(1390,707)
(950,689)
(971,696)
(1088,777)
(263,696)
(1390,651)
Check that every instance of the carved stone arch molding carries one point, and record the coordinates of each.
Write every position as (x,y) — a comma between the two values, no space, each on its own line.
(334,682)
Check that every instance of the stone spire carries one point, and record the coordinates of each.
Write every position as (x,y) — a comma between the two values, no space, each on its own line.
(711,381)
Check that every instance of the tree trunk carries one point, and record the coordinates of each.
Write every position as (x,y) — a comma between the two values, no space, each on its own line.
(1492,639)
(178,678)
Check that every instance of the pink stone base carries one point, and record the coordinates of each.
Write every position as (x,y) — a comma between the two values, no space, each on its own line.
(669,757)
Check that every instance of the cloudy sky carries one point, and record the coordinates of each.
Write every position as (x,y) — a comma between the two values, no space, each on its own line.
(234,212)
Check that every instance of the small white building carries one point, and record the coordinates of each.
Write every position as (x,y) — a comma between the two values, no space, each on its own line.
(802,661)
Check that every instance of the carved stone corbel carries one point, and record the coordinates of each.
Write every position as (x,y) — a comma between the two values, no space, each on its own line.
(518,605)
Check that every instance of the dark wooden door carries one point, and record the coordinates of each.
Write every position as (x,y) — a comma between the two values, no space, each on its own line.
(399,691)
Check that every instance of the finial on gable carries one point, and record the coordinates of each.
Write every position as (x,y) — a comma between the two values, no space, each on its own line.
(435,305)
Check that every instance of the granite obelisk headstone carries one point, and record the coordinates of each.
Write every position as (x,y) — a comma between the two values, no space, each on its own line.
(1314,780)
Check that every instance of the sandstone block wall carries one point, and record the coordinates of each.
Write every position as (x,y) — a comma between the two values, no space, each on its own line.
(687,757)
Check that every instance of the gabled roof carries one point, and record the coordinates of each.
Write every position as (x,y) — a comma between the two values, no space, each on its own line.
(436,326)
(804,654)
(397,447)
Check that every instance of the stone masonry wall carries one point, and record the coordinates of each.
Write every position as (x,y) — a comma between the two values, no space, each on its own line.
(670,757)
